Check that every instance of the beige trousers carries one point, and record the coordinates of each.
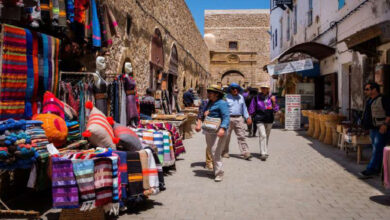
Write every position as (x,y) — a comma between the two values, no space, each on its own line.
(209,157)
(238,125)
(264,132)
(215,145)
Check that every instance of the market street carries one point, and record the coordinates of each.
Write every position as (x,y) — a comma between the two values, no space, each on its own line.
(298,181)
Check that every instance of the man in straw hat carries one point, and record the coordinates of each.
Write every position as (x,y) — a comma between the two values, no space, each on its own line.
(216,121)
(238,113)
(262,108)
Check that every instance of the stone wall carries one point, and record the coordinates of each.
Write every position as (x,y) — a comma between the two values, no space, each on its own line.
(250,29)
(177,27)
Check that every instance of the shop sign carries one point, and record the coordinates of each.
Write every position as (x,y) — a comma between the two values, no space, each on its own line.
(293,112)
(290,67)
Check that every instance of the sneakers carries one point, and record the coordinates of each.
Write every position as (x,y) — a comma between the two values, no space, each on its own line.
(218,178)
(263,157)
(226,155)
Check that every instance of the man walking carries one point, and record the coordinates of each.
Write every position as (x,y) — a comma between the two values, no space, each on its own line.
(238,112)
(376,119)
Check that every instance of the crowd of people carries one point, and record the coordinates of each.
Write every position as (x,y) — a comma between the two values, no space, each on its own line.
(228,110)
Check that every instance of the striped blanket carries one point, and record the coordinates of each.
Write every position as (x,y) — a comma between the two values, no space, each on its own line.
(134,169)
(84,172)
(103,181)
(14,73)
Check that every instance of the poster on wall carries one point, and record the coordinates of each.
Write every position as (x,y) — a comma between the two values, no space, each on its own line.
(293,112)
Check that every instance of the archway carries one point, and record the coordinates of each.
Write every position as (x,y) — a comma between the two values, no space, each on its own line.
(171,78)
(233,76)
(156,59)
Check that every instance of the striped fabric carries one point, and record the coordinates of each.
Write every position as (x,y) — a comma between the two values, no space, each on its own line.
(84,172)
(145,172)
(115,177)
(152,172)
(160,171)
(134,169)
(168,160)
(103,181)
(14,73)
(30,75)
(64,187)
(147,137)
(122,169)
(159,144)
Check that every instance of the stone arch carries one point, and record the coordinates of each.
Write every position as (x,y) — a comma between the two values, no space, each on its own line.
(125,57)
(233,76)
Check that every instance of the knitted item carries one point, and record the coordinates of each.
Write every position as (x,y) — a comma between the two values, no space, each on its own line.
(84,173)
(14,73)
(103,181)
(134,169)
(65,193)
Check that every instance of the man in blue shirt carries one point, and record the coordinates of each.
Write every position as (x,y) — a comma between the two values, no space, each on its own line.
(238,112)
(188,98)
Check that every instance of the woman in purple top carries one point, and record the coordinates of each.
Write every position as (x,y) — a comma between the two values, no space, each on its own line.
(262,109)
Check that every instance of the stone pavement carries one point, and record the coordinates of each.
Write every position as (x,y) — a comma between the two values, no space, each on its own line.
(302,179)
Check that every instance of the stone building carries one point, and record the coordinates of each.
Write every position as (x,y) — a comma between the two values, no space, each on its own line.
(238,41)
(157,36)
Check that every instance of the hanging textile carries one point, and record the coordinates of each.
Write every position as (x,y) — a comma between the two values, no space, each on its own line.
(131,100)
(112,21)
(62,13)
(80,7)
(45,11)
(14,73)
(122,105)
(103,181)
(70,4)
(96,35)
(84,173)
(152,172)
(134,169)
(34,99)
(30,75)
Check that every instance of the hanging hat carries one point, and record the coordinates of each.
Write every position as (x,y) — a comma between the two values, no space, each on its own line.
(234,85)
(215,88)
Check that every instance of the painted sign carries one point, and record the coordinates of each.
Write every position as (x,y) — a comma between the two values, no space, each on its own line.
(293,112)
(290,67)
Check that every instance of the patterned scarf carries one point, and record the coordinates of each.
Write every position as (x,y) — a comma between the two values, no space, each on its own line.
(96,35)
(168,160)
(123,174)
(134,169)
(65,192)
(160,171)
(84,172)
(14,73)
(103,181)
(145,172)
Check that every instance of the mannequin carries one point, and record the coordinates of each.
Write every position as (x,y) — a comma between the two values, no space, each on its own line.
(131,96)
(100,85)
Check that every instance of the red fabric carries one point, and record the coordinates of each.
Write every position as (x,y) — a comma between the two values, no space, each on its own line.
(80,7)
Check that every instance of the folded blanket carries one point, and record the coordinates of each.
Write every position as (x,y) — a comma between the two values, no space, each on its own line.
(65,192)
(135,179)
(103,181)
(84,172)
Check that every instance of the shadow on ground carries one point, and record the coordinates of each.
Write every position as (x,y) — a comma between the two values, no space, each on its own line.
(204,173)
(348,162)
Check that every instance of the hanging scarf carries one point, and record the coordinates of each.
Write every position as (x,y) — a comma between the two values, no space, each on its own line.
(168,160)
(123,116)
(123,174)
(116,101)
(36,38)
(96,37)
(103,181)
(160,172)
(62,13)
(80,7)
(107,28)
(152,172)
(64,187)
(134,169)
(82,120)
(30,75)
(84,172)
(112,21)
(14,73)
(45,11)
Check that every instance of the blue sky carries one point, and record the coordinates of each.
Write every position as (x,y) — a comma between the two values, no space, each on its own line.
(197,7)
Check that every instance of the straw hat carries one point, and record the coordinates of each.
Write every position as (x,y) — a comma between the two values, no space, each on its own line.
(215,88)
(264,85)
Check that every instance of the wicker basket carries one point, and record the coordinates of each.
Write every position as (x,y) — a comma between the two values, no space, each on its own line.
(76,214)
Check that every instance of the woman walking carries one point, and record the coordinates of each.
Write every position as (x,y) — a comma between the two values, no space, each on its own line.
(262,108)
(216,121)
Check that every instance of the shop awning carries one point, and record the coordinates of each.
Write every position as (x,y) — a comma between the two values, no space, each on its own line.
(313,49)
(300,66)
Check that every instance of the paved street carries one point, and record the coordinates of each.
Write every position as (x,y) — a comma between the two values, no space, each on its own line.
(301,180)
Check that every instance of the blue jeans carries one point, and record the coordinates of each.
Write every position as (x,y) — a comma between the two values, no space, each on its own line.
(379,142)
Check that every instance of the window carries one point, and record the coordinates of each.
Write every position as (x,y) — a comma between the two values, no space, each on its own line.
(310,13)
(341,4)
(295,19)
(288,27)
(233,45)
(276,37)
